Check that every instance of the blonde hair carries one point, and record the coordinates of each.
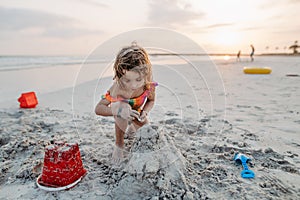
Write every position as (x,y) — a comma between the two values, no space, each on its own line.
(133,58)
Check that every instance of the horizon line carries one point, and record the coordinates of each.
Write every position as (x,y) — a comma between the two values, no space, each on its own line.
(165,54)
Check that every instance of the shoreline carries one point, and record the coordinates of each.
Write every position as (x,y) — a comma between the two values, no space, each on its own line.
(221,54)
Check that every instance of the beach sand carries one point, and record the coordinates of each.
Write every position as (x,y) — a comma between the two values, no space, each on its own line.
(200,120)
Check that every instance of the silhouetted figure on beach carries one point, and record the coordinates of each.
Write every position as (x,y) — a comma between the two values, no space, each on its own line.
(252,52)
(238,56)
(294,47)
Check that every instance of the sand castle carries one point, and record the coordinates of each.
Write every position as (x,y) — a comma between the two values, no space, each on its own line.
(155,167)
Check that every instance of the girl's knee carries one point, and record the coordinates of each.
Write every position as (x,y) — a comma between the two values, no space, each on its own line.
(121,123)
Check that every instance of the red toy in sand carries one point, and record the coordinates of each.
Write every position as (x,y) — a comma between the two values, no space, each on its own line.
(62,168)
(28,100)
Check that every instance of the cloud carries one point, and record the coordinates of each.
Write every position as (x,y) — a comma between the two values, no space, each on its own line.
(169,13)
(94,3)
(267,5)
(293,1)
(252,28)
(219,25)
(49,25)
(18,19)
(69,32)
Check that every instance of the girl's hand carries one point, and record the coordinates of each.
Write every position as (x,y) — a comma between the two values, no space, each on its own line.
(124,111)
(143,116)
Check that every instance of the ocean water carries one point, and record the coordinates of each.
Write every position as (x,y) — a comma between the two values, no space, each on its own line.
(8,63)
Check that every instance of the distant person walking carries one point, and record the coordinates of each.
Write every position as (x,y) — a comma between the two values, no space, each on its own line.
(238,59)
(294,47)
(252,52)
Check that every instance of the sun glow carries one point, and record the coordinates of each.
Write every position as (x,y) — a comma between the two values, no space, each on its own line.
(226,57)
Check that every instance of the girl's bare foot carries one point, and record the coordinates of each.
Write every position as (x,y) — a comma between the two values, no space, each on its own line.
(117,156)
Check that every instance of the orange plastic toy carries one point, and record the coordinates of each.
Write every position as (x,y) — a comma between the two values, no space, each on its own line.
(28,100)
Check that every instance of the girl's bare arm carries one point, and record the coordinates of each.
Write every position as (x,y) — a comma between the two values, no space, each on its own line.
(103,108)
(150,101)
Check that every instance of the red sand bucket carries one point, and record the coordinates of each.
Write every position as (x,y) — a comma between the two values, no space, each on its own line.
(62,168)
(28,100)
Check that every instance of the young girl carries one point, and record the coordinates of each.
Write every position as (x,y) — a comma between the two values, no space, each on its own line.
(131,96)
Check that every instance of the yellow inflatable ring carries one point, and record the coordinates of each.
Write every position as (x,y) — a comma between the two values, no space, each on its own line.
(257,70)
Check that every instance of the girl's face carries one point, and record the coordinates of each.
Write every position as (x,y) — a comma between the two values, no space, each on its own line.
(132,80)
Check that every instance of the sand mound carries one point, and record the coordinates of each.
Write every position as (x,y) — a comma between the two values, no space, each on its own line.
(155,168)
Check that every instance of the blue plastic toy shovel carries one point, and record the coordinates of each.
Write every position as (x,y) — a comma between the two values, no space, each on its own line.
(242,159)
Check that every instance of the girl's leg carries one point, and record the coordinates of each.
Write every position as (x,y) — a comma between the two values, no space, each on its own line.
(120,127)
(130,131)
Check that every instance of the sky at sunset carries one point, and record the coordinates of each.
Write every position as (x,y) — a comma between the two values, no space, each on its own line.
(76,27)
